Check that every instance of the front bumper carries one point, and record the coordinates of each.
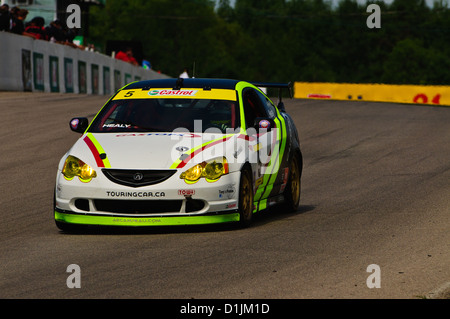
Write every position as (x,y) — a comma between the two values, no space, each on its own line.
(76,218)
(101,202)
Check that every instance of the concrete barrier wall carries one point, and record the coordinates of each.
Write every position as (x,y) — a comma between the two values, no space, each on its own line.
(421,94)
(27,64)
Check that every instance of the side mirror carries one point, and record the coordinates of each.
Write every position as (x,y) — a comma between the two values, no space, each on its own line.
(263,123)
(79,124)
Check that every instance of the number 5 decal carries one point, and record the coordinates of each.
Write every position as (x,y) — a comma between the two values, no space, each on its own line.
(129,94)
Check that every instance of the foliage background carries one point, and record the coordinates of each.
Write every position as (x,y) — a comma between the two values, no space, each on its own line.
(285,40)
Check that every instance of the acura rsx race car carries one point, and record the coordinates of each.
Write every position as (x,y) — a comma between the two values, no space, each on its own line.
(180,152)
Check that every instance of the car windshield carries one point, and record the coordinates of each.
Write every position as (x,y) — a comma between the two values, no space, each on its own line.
(166,115)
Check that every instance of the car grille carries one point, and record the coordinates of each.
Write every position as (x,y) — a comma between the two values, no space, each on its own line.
(136,177)
(146,206)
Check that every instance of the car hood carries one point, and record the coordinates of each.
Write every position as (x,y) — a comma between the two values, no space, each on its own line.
(152,150)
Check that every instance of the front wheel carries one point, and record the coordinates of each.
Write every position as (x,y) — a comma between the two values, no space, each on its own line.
(245,198)
(70,228)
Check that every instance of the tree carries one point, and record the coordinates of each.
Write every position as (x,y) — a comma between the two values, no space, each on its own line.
(411,63)
(285,40)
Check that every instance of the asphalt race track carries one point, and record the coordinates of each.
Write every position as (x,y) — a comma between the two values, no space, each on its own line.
(375,190)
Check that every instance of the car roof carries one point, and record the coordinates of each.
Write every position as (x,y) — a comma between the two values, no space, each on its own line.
(187,83)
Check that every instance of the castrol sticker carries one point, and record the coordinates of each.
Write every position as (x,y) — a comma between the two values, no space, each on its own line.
(172,92)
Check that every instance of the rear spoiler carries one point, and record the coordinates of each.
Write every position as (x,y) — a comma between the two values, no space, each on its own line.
(279,86)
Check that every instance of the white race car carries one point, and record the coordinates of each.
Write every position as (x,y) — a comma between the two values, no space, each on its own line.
(180,152)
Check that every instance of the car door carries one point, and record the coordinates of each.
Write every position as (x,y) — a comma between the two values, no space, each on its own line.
(268,144)
(278,169)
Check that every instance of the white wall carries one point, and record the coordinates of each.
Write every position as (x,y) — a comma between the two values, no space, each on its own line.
(27,64)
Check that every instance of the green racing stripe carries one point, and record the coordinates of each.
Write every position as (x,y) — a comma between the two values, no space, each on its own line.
(265,189)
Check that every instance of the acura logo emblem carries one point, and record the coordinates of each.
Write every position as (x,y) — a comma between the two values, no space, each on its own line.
(182,148)
(138,176)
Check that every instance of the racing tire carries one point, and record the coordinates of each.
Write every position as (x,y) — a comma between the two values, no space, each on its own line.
(245,198)
(293,188)
(70,228)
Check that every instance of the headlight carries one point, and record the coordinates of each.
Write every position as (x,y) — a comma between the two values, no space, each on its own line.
(211,170)
(76,167)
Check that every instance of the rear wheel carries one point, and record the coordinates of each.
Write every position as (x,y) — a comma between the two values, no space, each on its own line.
(293,187)
(245,198)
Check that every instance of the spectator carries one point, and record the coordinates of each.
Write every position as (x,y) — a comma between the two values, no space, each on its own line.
(146,64)
(18,16)
(185,74)
(5,17)
(36,28)
(69,35)
(127,56)
(55,33)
